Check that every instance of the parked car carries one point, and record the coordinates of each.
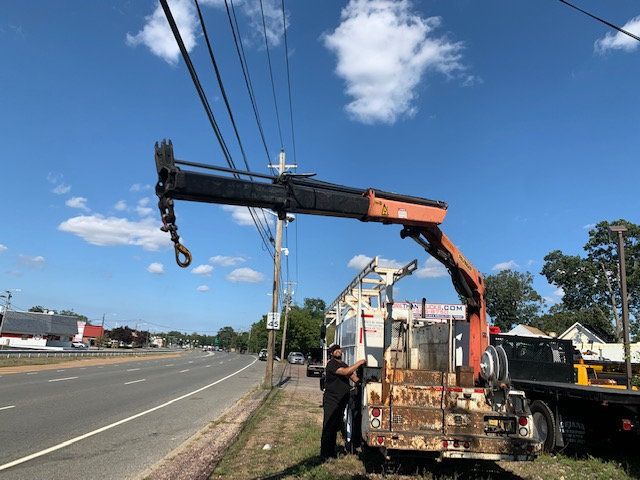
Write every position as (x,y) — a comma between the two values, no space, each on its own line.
(296,358)
(263,355)
(315,366)
(79,345)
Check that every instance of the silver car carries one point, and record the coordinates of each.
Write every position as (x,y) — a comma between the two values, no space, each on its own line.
(296,358)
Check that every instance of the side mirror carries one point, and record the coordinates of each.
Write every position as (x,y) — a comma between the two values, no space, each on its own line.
(323,331)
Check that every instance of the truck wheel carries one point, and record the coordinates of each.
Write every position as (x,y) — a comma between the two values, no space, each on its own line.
(544,425)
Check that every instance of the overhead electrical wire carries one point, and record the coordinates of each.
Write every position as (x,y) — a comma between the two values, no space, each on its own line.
(273,85)
(228,106)
(207,106)
(237,40)
(601,20)
(286,56)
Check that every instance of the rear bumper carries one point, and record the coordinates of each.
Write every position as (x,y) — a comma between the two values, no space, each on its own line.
(460,446)
(315,369)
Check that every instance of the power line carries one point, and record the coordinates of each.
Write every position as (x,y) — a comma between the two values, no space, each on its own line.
(286,56)
(227,104)
(601,20)
(205,103)
(237,40)
(273,85)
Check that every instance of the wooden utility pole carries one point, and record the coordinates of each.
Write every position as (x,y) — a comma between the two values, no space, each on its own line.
(271,339)
(620,230)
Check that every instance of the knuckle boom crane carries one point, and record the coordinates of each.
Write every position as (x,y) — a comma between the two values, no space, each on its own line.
(420,219)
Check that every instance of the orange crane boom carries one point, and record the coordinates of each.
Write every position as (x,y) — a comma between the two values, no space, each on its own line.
(420,218)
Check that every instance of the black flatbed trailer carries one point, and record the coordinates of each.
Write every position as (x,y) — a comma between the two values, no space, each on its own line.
(566,414)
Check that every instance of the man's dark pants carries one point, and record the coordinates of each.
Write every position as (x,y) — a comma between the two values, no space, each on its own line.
(333,414)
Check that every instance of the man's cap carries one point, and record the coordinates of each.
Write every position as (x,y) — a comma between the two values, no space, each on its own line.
(333,348)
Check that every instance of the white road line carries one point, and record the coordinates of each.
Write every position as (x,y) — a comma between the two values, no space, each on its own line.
(61,379)
(60,370)
(191,361)
(132,369)
(7,407)
(32,373)
(102,366)
(169,365)
(119,422)
(207,366)
(221,363)
(136,381)
(182,371)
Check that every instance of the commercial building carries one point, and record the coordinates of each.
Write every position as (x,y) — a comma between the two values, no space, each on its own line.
(36,330)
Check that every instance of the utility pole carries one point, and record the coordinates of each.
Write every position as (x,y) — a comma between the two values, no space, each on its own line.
(271,340)
(101,333)
(620,230)
(287,307)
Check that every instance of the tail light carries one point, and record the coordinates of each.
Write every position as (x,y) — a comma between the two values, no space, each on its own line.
(466,444)
(456,443)
(375,423)
(523,421)
(445,444)
(380,440)
(375,412)
(627,425)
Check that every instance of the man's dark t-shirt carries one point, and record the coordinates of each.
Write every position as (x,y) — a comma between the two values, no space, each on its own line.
(336,386)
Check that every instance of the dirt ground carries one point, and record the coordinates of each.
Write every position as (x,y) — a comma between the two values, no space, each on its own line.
(83,362)
(282,441)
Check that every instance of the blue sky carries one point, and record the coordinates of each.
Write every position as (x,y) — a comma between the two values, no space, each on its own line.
(523,116)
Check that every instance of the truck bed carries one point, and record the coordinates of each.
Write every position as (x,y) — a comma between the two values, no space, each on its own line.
(609,396)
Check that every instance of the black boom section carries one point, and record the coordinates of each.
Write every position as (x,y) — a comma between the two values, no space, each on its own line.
(287,194)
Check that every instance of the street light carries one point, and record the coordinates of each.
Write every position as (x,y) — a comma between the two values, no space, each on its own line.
(620,230)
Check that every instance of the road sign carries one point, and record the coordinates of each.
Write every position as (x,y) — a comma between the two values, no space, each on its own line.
(273,321)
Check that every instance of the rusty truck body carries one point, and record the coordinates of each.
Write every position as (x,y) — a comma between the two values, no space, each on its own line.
(416,396)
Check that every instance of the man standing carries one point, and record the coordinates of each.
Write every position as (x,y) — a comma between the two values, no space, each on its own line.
(336,396)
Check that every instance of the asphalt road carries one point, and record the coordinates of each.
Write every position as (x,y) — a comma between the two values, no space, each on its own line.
(72,423)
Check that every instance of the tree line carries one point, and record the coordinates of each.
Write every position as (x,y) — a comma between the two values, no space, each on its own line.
(588,288)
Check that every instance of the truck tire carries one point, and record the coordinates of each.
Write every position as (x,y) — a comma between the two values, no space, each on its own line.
(545,424)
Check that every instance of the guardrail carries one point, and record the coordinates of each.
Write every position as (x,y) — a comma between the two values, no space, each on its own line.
(90,353)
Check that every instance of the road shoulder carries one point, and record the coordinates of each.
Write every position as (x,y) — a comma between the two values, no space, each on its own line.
(197,457)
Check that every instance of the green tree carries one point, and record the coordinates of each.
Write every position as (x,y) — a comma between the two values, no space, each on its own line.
(226,337)
(38,309)
(71,313)
(558,320)
(511,298)
(591,283)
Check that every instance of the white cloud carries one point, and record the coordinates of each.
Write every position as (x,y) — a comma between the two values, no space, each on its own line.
(61,189)
(359,261)
(142,208)
(225,261)
(53,177)
(555,297)
(383,49)
(251,9)
(241,215)
(3,248)
(589,226)
(204,270)
(77,202)
(619,40)
(112,231)
(508,265)
(203,288)
(37,261)
(432,268)
(139,187)
(120,205)
(157,36)
(559,293)
(156,268)
(245,275)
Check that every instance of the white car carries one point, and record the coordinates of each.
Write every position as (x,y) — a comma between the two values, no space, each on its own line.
(78,345)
